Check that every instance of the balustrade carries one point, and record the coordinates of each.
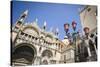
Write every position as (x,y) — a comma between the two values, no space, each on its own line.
(39,41)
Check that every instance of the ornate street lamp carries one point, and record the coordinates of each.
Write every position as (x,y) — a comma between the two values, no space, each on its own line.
(74,25)
(66,28)
(74,34)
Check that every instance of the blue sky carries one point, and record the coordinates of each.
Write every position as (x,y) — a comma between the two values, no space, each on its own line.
(54,14)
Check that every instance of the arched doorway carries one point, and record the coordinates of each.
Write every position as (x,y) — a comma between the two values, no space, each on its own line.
(47,53)
(24,54)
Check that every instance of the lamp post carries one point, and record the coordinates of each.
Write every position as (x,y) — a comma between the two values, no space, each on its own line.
(74,24)
(66,28)
(74,36)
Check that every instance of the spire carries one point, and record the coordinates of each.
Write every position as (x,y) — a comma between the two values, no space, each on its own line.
(57,31)
(36,20)
(45,23)
(23,15)
(44,26)
(26,12)
(21,19)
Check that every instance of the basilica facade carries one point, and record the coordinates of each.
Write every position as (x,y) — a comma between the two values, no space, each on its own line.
(32,45)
